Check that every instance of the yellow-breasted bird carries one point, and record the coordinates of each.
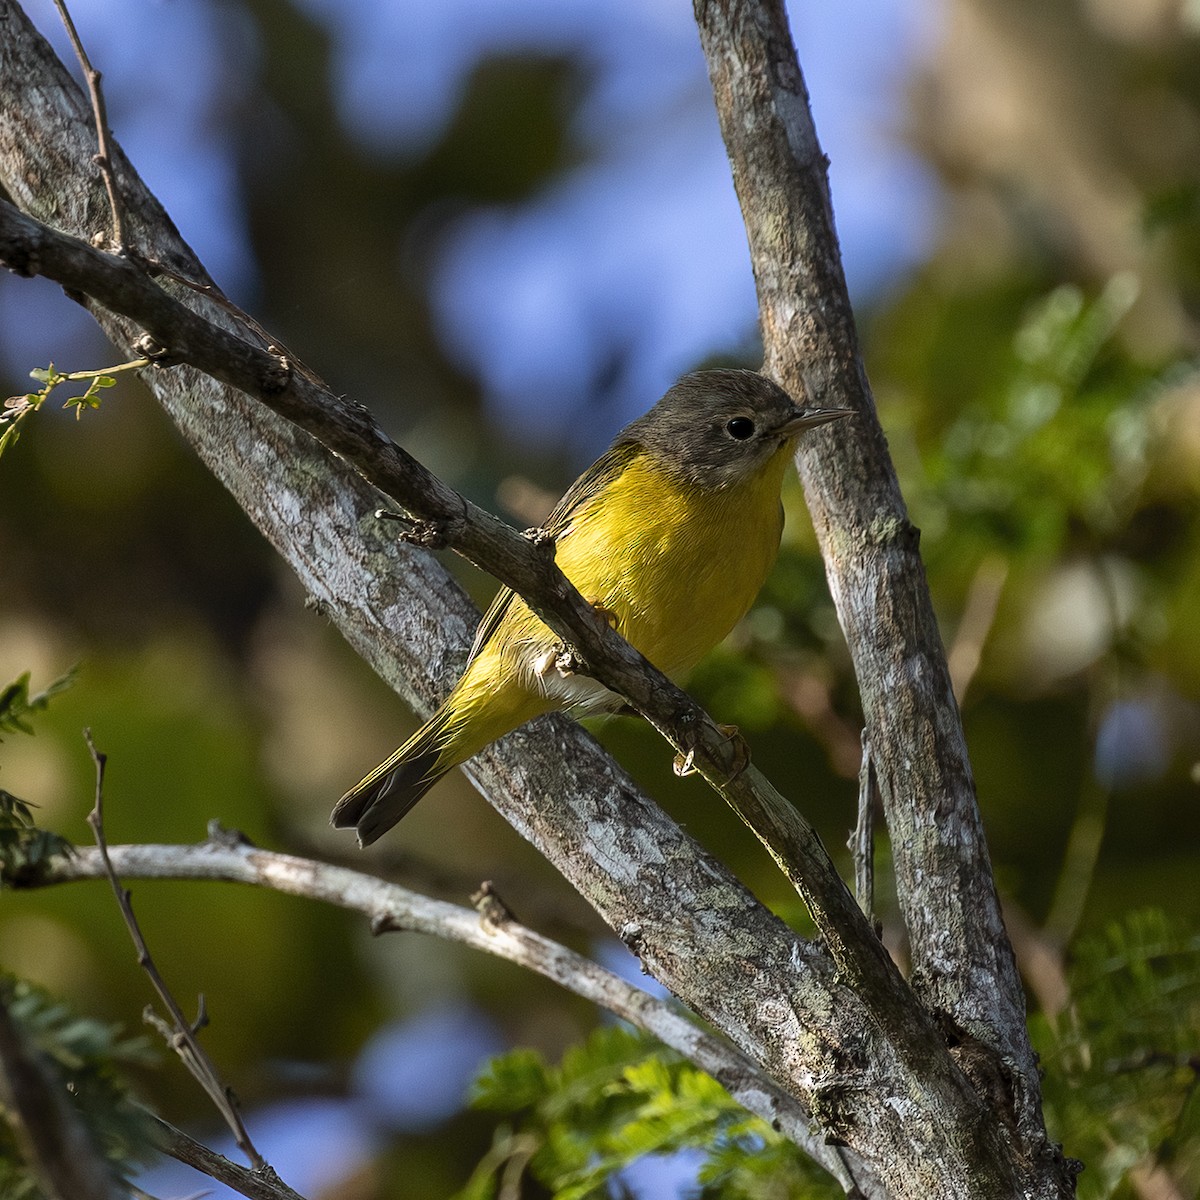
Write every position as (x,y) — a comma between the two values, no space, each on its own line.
(670,534)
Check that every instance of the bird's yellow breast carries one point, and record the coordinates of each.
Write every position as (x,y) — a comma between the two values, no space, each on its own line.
(676,565)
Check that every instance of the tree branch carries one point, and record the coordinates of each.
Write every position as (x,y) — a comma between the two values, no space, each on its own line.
(103,157)
(392,908)
(258,1183)
(180,1033)
(963,962)
(862,840)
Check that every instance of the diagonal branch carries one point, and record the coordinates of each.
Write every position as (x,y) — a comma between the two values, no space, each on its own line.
(259,1183)
(180,1033)
(104,159)
(849,1039)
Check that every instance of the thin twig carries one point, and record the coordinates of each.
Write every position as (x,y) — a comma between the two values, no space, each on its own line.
(259,1184)
(211,291)
(862,840)
(1079,864)
(1151,1181)
(522,1148)
(181,1036)
(1040,957)
(134,364)
(104,159)
(811,696)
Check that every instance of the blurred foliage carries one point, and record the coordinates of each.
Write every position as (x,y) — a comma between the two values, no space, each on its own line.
(17,705)
(86,1059)
(613,1100)
(23,846)
(1054,448)
(1036,376)
(1122,1083)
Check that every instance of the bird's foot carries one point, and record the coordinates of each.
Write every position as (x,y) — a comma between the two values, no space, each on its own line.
(562,660)
(540,537)
(565,659)
(607,615)
(684,764)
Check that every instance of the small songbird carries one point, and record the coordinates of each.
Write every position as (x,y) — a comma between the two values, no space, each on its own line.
(670,534)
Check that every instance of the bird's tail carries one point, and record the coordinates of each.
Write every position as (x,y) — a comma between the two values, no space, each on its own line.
(377,802)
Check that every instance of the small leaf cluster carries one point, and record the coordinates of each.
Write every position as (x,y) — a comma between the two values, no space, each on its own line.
(17,408)
(1122,1062)
(24,848)
(610,1102)
(85,1058)
(17,704)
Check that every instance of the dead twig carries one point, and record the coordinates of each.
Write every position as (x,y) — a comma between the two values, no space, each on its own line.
(104,157)
(259,1184)
(975,625)
(862,841)
(180,1033)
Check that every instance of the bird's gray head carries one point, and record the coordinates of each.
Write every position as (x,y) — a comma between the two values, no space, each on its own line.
(716,429)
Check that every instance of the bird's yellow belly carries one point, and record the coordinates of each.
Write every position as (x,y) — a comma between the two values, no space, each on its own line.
(686,565)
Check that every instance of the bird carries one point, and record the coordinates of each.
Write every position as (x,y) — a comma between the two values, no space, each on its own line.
(670,534)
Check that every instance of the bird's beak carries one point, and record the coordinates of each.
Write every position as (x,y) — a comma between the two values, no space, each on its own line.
(809,418)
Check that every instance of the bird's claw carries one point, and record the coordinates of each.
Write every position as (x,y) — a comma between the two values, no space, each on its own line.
(684,764)
(681,764)
(607,615)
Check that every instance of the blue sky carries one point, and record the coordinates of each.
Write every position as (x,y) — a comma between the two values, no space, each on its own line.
(637,254)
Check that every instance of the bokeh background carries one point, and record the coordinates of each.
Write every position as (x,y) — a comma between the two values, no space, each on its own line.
(506,226)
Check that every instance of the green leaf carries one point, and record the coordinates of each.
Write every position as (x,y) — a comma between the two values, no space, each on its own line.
(16,703)
(24,848)
(511,1082)
(618,1097)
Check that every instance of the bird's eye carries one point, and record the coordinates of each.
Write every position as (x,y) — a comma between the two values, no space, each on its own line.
(740,428)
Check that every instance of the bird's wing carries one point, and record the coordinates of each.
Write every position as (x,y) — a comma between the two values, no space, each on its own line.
(558,525)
